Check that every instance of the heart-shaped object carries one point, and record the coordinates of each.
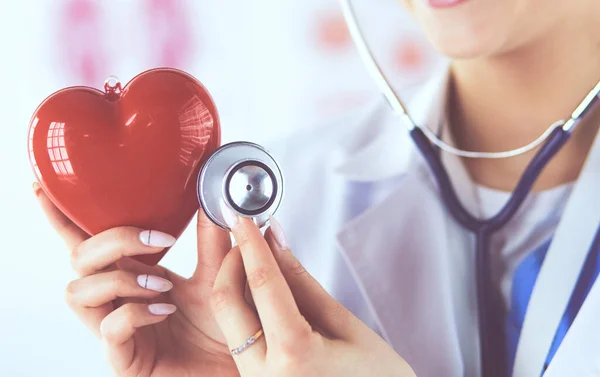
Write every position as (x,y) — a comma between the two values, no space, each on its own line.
(128,156)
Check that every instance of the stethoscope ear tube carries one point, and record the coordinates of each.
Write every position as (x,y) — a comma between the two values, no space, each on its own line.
(430,153)
(432,158)
(549,149)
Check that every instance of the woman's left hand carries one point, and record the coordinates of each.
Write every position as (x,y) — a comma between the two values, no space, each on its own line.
(306,332)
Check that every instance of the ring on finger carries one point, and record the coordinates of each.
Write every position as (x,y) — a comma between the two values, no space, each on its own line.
(250,341)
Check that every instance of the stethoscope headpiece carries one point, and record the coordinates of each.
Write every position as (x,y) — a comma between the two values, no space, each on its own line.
(246,178)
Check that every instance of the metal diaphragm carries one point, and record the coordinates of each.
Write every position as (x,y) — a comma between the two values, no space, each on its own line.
(246,178)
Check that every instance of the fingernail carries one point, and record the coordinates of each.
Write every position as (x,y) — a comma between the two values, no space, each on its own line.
(156,238)
(162,309)
(230,218)
(278,234)
(36,188)
(154,283)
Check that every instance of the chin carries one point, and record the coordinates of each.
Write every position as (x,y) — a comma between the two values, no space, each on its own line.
(467,48)
(473,29)
(465,42)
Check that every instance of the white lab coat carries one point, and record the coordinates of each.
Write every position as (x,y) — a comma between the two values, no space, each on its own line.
(401,263)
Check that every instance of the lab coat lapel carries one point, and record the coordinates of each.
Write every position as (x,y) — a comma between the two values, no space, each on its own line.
(398,253)
(421,296)
(579,354)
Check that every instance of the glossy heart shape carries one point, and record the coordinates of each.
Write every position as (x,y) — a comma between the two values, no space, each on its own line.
(126,156)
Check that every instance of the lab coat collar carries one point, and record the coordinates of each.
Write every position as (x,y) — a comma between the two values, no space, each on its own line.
(380,146)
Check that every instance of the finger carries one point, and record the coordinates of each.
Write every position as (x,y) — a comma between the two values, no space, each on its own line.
(135,266)
(91,297)
(106,248)
(235,316)
(96,290)
(71,234)
(118,328)
(276,307)
(213,244)
(321,310)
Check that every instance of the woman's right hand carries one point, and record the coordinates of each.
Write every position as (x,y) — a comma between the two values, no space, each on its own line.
(152,321)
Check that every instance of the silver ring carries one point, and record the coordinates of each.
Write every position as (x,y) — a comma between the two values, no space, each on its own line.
(247,343)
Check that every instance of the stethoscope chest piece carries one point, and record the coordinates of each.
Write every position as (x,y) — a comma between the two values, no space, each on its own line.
(246,178)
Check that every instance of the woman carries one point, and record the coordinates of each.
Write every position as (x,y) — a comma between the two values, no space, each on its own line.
(374,232)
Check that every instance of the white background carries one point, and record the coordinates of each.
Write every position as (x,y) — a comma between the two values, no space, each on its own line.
(272,66)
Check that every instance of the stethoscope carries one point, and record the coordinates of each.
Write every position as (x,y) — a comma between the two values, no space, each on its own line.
(248,179)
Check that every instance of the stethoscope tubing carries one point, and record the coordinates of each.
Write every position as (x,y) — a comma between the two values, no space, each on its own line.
(483,229)
(431,154)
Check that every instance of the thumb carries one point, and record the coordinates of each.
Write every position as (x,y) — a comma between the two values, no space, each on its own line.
(213,244)
(320,309)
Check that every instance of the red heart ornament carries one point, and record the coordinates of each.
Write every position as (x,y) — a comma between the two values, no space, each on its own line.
(127,156)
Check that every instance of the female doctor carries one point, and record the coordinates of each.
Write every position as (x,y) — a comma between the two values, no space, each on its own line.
(392,286)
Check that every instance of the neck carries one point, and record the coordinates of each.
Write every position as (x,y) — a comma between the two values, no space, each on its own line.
(505,102)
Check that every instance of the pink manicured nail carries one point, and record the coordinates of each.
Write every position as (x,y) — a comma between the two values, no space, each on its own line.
(154,283)
(162,309)
(156,238)
(230,218)
(278,234)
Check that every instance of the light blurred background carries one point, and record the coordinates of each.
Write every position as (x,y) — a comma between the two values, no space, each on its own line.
(272,66)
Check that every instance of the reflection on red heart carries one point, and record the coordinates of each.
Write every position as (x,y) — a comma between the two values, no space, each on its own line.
(127,156)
